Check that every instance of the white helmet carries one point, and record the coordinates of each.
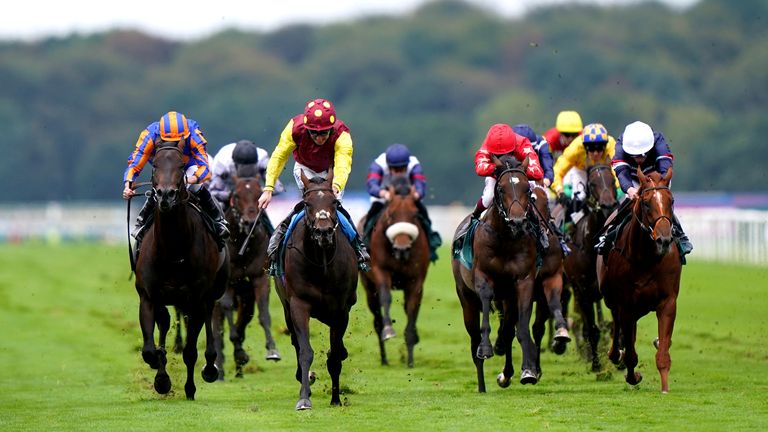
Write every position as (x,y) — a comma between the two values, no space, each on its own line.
(637,138)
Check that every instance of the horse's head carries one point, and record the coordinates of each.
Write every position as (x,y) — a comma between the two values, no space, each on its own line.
(400,217)
(601,188)
(653,208)
(168,177)
(320,205)
(245,199)
(512,193)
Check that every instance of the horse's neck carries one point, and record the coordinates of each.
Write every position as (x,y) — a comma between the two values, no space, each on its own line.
(173,229)
(639,245)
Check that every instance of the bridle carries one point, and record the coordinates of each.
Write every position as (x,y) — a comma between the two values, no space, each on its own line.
(593,200)
(499,192)
(644,207)
(182,196)
(317,234)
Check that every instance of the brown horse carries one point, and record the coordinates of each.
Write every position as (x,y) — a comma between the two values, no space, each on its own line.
(503,271)
(320,282)
(179,264)
(580,263)
(399,260)
(548,286)
(642,274)
(248,281)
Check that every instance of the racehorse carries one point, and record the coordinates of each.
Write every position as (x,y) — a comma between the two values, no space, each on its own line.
(548,286)
(179,264)
(503,271)
(320,281)
(580,263)
(641,274)
(399,260)
(248,281)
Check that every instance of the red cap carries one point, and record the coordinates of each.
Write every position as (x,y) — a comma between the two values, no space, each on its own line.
(501,139)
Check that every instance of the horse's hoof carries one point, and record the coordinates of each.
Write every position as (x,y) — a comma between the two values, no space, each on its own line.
(503,381)
(561,335)
(484,351)
(303,404)
(559,346)
(656,343)
(528,377)
(210,373)
(150,358)
(312,379)
(273,355)
(388,333)
(241,357)
(637,378)
(498,349)
(162,383)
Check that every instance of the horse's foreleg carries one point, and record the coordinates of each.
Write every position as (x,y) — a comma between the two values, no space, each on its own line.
(178,341)
(385,299)
(217,324)
(154,357)
(538,328)
(665,315)
(374,306)
(524,307)
(245,310)
(299,313)
(471,315)
(261,285)
(485,293)
(629,333)
(194,325)
(506,335)
(590,331)
(337,354)
(413,295)
(553,289)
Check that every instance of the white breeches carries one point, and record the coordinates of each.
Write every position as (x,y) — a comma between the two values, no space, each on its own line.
(309,173)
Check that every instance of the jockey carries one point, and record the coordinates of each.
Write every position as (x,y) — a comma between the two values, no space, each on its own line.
(541,146)
(567,127)
(638,146)
(172,127)
(242,159)
(318,142)
(397,159)
(593,147)
(501,140)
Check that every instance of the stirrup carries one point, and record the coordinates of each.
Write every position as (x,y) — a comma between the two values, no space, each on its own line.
(364,266)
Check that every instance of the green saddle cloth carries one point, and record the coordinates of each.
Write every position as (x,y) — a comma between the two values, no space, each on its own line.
(462,246)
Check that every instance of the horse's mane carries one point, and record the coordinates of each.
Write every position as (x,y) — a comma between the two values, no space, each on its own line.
(247,170)
(317,180)
(509,161)
(401,184)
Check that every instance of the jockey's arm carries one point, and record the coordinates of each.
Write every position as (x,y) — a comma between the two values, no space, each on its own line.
(342,161)
(277,160)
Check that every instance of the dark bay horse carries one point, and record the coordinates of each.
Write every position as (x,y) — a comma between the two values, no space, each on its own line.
(399,260)
(503,272)
(248,281)
(548,286)
(642,274)
(580,263)
(320,282)
(179,264)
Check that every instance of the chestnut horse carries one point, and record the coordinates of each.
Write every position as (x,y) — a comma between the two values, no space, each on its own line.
(320,281)
(641,274)
(179,264)
(248,281)
(580,263)
(503,271)
(399,260)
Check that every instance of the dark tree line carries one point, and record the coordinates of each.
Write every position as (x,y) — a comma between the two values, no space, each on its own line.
(71,108)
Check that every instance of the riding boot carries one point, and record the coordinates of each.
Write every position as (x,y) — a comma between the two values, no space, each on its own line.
(478,210)
(143,219)
(683,241)
(212,209)
(363,258)
(433,237)
(370,220)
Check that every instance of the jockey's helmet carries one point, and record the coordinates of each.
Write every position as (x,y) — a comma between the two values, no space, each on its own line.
(319,115)
(568,122)
(245,152)
(595,136)
(637,138)
(526,131)
(173,126)
(501,139)
(397,156)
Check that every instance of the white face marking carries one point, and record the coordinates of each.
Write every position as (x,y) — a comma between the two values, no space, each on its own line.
(514,180)
(657,195)
(322,214)
(320,194)
(248,186)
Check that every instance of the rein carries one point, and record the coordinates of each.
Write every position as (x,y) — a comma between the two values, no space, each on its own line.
(128,223)
(650,228)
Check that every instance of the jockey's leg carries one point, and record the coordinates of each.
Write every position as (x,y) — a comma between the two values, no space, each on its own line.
(363,259)
(370,219)
(279,233)
(433,237)
(677,230)
(143,219)
(213,210)
(608,233)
